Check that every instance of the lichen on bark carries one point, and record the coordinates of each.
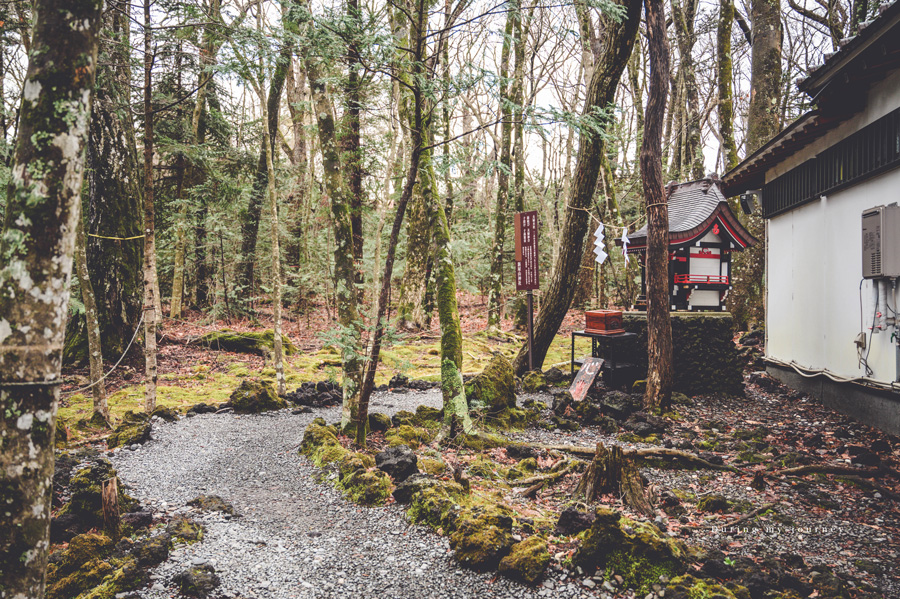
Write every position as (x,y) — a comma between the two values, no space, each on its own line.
(36,250)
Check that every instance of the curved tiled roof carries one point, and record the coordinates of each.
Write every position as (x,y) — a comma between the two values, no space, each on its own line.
(693,208)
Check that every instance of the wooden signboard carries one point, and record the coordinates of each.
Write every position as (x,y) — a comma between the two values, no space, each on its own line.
(585,378)
(526,251)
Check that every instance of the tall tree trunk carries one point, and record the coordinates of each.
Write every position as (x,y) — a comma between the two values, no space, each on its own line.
(350,142)
(92,324)
(296,95)
(37,243)
(617,44)
(503,170)
(151,282)
(746,298)
(724,75)
(659,328)
(250,216)
(114,199)
(684,13)
(344,262)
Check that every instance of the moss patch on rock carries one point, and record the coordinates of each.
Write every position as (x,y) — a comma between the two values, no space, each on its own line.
(636,551)
(260,344)
(252,397)
(367,487)
(212,503)
(495,387)
(527,561)
(86,488)
(699,588)
(534,381)
(406,434)
(482,536)
(184,530)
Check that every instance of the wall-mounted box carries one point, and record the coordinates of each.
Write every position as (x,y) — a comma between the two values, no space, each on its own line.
(881,242)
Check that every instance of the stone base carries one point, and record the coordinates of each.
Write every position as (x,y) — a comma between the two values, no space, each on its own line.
(706,358)
(875,407)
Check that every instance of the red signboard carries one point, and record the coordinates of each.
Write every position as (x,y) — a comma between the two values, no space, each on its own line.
(527,251)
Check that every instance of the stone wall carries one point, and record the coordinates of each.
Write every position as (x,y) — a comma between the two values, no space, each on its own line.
(706,358)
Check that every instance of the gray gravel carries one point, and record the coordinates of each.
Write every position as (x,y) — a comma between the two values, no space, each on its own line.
(295,537)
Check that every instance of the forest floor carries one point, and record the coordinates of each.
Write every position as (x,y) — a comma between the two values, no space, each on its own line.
(761,524)
(190,372)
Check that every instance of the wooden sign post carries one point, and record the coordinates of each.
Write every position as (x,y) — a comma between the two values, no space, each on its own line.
(526,224)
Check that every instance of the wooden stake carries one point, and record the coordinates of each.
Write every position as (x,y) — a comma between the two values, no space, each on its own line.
(110,500)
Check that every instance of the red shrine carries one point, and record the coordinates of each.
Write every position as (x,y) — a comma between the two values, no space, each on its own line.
(703,233)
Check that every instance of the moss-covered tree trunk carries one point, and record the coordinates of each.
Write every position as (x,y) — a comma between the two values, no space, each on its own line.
(763,121)
(504,167)
(114,244)
(296,96)
(659,329)
(92,324)
(616,46)
(344,262)
(36,246)
(724,75)
(151,282)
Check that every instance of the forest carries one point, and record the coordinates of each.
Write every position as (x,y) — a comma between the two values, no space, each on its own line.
(223,207)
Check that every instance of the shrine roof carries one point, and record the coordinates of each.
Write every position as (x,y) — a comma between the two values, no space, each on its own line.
(693,208)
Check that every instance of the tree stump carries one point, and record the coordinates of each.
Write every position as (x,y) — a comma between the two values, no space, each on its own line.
(612,472)
(110,500)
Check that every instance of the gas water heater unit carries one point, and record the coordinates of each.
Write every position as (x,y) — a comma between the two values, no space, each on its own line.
(881,242)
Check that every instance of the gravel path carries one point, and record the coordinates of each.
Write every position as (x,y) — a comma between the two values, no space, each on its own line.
(295,538)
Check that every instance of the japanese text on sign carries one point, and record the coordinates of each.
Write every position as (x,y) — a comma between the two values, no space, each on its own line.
(526,251)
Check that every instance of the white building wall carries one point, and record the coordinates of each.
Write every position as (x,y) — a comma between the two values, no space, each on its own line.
(814,263)
(814,273)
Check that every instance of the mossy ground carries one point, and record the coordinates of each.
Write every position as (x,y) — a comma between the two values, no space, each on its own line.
(214,384)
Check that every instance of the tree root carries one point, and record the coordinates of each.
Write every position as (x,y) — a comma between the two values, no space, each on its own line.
(826,469)
(874,486)
(544,478)
(643,454)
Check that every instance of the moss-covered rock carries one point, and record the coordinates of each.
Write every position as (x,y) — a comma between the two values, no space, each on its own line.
(379,423)
(367,487)
(689,587)
(428,417)
(527,561)
(482,536)
(534,382)
(252,397)
(199,581)
(261,344)
(212,503)
(408,435)
(432,502)
(86,488)
(152,551)
(167,414)
(432,466)
(637,551)
(706,358)
(184,530)
(479,441)
(317,435)
(402,417)
(483,467)
(495,387)
(714,503)
(129,434)
(127,575)
(81,566)
(352,462)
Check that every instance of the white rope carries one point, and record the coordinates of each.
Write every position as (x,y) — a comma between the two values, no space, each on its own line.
(122,357)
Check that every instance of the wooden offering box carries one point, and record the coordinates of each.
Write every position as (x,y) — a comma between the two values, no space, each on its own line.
(603,322)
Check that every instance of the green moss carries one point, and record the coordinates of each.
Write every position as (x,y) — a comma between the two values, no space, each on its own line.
(482,536)
(495,387)
(534,381)
(318,437)
(127,576)
(408,435)
(637,551)
(699,588)
(352,462)
(714,503)
(129,434)
(252,397)
(484,467)
(480,441)
(527,561)
(432,466)
(184,530)
(367,487)
(433,505)
(82,566)
(86,495)
(523,469)
(378,423)
(247,342)
(212,503)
